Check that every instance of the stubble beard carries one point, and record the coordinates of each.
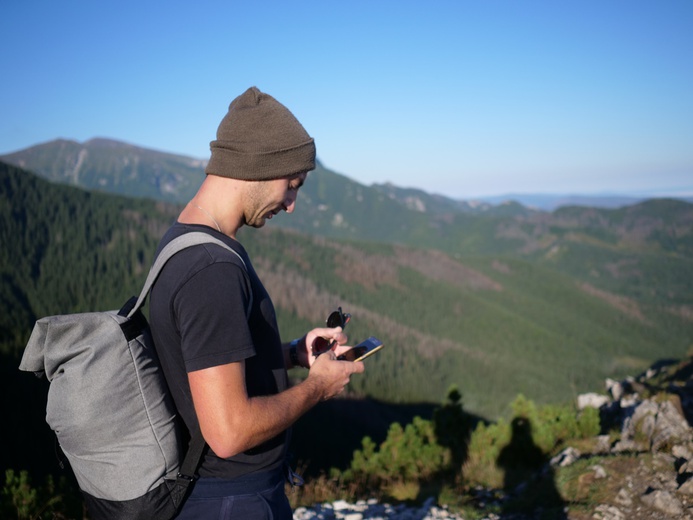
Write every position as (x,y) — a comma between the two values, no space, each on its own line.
(255,205)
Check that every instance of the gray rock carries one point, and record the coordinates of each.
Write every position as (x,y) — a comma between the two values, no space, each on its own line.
(623,498)
(615,389)
(687,487)
(670,427)
(686,467)
(373,510)
(663,501)
(567,457)
(599,471)
(682,451)
(654,426)
(591,400)
(606,512)
(629,401)
(603,444)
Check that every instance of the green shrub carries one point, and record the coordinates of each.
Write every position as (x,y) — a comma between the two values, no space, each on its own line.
(19,499)
(553,425)
(407,454)
(589,423)
(18,495)
(485,446)
(533,435)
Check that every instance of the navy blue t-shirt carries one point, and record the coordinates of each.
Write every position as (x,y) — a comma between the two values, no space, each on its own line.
(198,314)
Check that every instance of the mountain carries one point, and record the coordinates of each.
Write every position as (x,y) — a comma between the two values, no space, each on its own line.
(541,305)
(419,200)
(113,167)
(331,204)
(548,202)
(117,167)
(611,249)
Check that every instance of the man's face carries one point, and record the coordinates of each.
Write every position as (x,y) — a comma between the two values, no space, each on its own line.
(267,198)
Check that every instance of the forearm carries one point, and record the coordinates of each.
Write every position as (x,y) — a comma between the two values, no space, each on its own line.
(265,417)
(231,422)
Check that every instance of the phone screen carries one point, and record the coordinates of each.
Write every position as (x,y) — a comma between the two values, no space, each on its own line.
(362,350)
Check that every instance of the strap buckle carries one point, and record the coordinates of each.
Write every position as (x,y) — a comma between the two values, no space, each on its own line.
(187,478)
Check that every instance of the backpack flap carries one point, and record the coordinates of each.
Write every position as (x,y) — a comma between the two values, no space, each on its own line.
(56,340)
(32,359)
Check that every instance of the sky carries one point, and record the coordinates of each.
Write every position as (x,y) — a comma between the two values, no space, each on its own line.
(466,98)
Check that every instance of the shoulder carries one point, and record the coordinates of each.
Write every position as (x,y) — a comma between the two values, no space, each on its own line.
(202,247)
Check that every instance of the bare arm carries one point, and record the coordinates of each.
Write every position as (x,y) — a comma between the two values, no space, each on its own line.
(231,422)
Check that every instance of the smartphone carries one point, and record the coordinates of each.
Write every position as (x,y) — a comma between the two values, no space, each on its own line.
(362,350)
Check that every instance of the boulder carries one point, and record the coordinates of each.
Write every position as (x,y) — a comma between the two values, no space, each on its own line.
(591,400)
(663,501)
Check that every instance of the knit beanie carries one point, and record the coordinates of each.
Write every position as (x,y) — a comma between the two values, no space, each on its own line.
(259,139)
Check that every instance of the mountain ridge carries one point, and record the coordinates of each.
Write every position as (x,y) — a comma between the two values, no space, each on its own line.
(113,166)
(186,172)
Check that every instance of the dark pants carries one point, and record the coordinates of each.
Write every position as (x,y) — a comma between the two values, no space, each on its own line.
(252,497)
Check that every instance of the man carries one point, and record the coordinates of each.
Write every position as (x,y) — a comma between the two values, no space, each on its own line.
(214,324)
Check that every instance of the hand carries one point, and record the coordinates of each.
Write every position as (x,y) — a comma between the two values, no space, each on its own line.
(317,341)
(330,376)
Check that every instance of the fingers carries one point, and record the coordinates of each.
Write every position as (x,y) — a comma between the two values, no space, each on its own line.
(332,373)
(358,367)
(331,355)
(341,349)
(350,369)
(334,334)
(322,339)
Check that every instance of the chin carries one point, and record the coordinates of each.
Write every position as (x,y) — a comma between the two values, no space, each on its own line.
(259,223)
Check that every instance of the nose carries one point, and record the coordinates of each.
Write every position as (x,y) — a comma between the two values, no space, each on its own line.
(290,202)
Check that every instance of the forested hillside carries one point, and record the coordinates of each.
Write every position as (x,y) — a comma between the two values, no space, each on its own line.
(570,307)
(641,252)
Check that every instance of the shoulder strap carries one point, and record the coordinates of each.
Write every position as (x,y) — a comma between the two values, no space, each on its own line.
(188,468)
(174,246)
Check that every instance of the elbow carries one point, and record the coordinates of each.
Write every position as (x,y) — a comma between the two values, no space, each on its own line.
(227,445)
(224,451)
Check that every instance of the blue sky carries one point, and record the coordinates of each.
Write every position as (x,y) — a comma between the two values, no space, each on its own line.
(465,98)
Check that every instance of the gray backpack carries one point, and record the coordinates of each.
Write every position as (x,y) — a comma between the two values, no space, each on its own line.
(110,407)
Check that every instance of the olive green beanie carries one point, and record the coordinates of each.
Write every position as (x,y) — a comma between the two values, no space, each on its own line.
(259,139)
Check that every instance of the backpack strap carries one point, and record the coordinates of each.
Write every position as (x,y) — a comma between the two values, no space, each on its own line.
(174,246)
(188,468)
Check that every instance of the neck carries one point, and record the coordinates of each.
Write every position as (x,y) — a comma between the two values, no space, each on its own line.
(215,205)
(211,217)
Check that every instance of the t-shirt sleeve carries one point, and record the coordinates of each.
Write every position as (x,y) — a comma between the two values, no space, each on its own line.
(211,309)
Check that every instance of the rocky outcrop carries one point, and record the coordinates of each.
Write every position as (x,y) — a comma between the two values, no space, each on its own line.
(372,509)
(650,412)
